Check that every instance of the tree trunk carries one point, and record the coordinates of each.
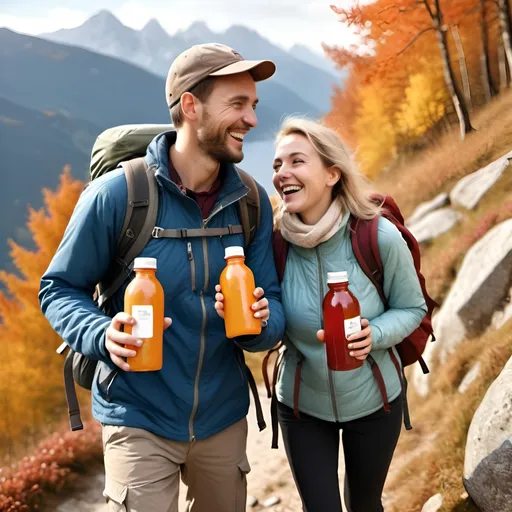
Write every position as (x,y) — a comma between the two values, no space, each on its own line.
(502,64)
(487,80)
(466,86)
(453,88)
(505,30)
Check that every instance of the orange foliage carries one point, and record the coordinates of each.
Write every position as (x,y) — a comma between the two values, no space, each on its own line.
(31,391)
(398,42)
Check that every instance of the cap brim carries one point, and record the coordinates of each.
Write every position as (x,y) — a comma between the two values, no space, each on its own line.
(259,69)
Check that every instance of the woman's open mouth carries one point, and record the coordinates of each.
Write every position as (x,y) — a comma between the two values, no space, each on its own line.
(289,190)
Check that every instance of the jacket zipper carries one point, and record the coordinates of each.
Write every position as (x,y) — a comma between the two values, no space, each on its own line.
(190,256)
(202,348)
(198,372)
(322,294)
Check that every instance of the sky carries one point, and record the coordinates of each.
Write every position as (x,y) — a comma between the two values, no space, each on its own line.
(284,22)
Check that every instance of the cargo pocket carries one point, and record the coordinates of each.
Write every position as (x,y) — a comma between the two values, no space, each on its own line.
(115,494)
(241,488)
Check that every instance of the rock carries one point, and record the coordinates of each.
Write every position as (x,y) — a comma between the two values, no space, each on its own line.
(433,504)
(252,501)
(470,189)
(487,464)
(482,284)
(490,486)
(469,378)
(270,502)
(425,208)
(500,318)
(434,224)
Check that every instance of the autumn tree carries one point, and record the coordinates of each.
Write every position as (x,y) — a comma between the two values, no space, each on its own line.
(423,107)
(31,387)
(504,16)
(375,132)
(487,79)
(399,20)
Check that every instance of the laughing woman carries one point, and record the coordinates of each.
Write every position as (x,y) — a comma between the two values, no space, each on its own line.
(321,189)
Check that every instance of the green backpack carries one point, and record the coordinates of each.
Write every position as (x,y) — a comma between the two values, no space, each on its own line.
(125,146)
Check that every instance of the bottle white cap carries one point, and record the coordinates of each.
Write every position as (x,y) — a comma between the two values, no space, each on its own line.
(144,263)
(235,250)
(337,277)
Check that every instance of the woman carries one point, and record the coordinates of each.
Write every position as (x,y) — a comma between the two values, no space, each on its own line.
(320,189)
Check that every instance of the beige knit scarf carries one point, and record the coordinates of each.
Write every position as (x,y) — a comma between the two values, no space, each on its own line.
(309,236)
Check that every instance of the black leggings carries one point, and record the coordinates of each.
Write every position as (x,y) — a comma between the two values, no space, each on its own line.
(312,446)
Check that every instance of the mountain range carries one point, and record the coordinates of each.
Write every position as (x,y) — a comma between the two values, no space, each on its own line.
(44,75)
(34,148)
(154,49)
(55,98)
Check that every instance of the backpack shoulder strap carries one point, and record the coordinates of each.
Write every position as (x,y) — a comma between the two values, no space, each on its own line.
(139,221)
(280,248)
(363,235)
(250,210)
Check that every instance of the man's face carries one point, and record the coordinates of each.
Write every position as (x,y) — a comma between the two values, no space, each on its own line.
(227,116)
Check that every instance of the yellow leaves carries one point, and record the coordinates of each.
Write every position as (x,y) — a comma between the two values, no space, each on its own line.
(424,105)
(394,114)
(375,132)
(30,371)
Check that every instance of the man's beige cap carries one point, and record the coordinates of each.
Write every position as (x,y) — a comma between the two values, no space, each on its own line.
(211,59)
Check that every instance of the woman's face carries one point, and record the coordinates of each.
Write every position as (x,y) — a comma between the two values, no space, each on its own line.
(301,178)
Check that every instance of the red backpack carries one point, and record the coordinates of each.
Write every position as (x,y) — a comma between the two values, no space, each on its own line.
(363,236)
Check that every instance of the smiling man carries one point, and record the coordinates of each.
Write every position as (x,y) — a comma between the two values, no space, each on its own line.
(189,418)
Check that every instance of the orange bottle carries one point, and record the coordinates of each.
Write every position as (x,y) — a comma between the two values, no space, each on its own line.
(144,300)
(342,317)
(237,285)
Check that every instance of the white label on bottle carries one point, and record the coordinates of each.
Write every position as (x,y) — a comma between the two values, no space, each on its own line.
(143,327)
(352,325)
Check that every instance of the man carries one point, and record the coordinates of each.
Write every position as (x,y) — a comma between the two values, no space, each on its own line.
(190,417)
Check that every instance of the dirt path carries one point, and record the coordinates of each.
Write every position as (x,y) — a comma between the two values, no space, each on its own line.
(270,476)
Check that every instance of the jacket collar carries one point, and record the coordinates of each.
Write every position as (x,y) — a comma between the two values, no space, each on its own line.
(232,188)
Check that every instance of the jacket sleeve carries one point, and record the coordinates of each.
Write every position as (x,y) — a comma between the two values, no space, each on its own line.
(260,260)
(407,306)
(82,259)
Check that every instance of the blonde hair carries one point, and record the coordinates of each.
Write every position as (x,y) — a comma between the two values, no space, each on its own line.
(352,189)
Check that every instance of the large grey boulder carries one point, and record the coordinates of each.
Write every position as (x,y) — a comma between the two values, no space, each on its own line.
(470,189)
(488,460)
(475,301)
(434,224)
(424,208)
(482,284)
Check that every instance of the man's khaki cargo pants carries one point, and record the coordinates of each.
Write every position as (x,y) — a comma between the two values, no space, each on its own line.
(142,471)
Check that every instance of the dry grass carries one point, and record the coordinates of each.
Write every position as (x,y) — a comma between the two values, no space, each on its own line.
(437,169)
(447,414)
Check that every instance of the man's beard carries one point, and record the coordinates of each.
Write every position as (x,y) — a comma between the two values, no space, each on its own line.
(213,142)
